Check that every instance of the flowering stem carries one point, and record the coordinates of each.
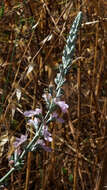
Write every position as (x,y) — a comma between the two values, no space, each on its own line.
(36,137)
(59,81)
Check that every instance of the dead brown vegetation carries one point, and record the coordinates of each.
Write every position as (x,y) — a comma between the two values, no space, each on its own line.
(79,159)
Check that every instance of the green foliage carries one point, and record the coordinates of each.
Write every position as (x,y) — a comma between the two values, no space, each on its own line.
(71,178)
(2,11)
(64,171)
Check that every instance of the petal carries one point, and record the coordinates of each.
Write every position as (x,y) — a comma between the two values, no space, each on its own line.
(60,120)
(38,111)
(20,140)
(23,138)
(46,134)
(48,138)
(46,148)
(31,113)
(43,145)
(34,122)
(54,115)
(47,97)
(62,105)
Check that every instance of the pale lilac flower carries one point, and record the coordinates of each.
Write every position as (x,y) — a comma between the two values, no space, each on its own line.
(47,136)
(57,101)
(17,144)
(54,115)
(34,122)
(62,105)
(20,141)
(47,97)
(60,120)
(43,145)
(31,113)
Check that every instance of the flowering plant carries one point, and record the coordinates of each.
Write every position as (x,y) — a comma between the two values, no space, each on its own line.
(52,100)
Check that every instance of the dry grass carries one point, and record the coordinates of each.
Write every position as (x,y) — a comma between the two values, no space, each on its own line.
(79,159)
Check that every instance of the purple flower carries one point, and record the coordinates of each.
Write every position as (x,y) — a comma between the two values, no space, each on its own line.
(20,141)
(62,105)
(43,145)
(31,113)
(47,97)
(60,120)
(47,136)
(54,115)
(34,122)
(57,101)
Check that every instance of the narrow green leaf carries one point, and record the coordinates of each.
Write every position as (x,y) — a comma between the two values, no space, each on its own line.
(71,178)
